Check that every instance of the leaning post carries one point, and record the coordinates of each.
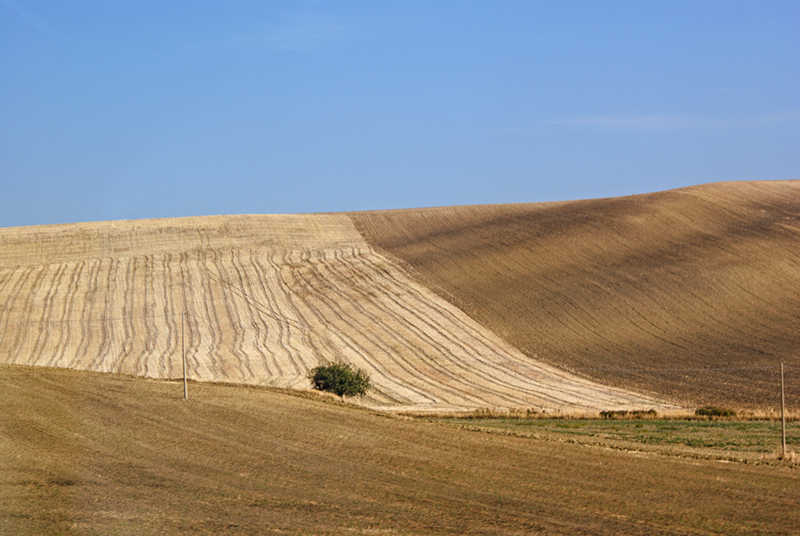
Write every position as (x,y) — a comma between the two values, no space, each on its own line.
(783,419)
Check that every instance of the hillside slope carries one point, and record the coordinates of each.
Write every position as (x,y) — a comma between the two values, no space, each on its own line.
(643,292)
(267,298)
(89,454)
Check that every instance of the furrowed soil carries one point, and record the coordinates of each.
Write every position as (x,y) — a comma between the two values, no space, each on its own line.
(88,453)
(691,294)
(267,299)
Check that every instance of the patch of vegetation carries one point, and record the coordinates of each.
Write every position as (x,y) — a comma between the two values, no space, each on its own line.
(486,413)
(622,414)
(744,437)
(713,411)
(340,379)
(312,450)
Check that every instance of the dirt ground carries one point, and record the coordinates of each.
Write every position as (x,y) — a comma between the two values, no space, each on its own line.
(688,297)
(88,453)
(266,299)
(691,294)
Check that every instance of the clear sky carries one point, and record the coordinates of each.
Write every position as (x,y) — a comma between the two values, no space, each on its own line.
(114,109)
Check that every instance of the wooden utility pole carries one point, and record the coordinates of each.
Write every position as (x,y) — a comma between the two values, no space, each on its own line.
(183,353)
(783,419)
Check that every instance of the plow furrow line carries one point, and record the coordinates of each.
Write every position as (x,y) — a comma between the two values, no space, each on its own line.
(279,305)
(215,368)
(261,331)
(499,371)
(483,369)
(276,342)
(569,390)
(81,302)
(231,312)
(50,318)
(327,312)
(17,324)
(169,367)
(267,315)
(393,323)
(408,319)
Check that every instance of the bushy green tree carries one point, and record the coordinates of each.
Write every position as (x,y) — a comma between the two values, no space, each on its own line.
(340,378)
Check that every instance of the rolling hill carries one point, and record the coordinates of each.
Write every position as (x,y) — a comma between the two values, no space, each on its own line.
(686,297)
(86,453)
(267,298)
(693,294)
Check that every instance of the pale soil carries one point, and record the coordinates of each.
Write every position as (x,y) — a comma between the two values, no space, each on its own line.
(267,298)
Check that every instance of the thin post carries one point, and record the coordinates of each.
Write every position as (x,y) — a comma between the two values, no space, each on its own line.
(783,419)
(183,354)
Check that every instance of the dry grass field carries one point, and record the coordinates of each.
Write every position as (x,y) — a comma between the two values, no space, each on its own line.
(267,299)
(689,296)
(88,454)
(693,294)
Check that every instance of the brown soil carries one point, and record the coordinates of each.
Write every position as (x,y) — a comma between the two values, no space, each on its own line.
(267,298)
(638,292)
(85,453)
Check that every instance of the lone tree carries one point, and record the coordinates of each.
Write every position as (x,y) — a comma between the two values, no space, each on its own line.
(339,378)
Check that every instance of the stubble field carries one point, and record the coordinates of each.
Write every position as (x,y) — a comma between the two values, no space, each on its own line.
(688,296)
(267,298)
(87,453)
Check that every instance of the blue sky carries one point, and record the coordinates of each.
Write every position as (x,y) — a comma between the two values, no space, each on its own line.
(113,109)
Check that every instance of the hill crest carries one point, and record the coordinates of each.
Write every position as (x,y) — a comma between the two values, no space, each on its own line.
(690,295)
(267,298)
(701,283)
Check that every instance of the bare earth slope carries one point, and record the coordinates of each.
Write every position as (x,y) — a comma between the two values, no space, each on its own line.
(704,278)
(90,454)
(267,298)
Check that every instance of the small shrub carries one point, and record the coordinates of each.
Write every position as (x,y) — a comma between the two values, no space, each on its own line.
(340,379)
(713,411)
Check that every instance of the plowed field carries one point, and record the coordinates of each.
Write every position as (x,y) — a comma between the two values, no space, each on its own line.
(692,293)
(267,298)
